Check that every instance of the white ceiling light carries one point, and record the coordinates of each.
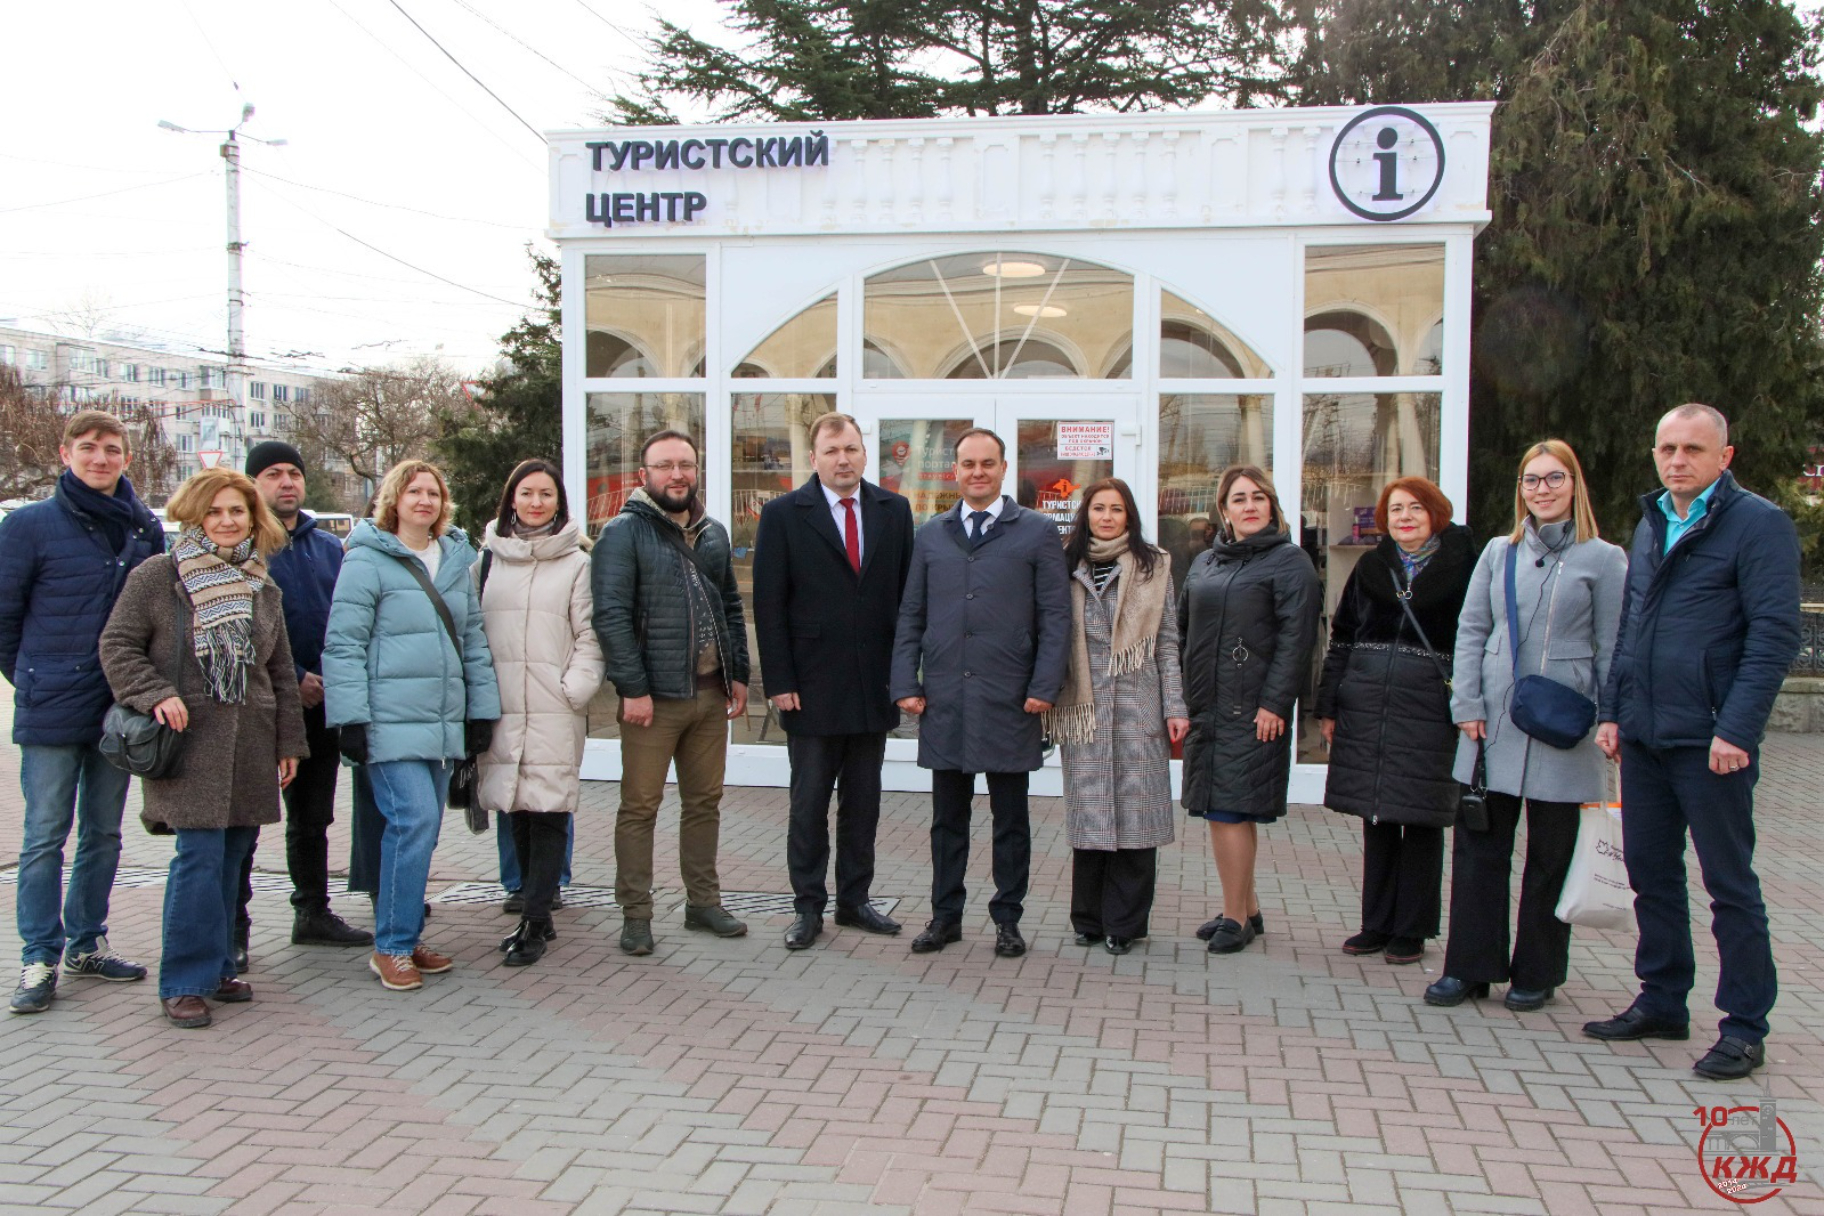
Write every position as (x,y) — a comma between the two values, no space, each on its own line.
(1040,310)
(1013,270)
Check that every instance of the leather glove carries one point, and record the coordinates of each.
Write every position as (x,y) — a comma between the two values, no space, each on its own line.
(478,735)
(351,741)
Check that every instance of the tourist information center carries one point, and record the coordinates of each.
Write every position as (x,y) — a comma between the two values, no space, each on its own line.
(1152,297)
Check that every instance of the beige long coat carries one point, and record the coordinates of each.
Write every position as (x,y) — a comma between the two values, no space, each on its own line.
(230,772)
(536,609)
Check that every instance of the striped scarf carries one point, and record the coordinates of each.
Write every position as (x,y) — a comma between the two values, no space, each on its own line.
(221,587)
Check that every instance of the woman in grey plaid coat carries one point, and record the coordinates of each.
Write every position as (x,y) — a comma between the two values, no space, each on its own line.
(1119,713)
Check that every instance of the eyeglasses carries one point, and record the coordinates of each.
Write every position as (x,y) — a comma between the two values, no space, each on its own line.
(686,467)
(1532,481)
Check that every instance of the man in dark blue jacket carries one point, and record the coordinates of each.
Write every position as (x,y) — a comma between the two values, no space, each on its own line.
(305,570)
(1709,626)
(62,565)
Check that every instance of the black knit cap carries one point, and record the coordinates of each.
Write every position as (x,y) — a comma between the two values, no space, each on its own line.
(263,455)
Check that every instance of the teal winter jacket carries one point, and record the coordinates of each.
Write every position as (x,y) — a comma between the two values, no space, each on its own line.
(387,660)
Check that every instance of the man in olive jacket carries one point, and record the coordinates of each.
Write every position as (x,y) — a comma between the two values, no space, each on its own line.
(669,618)
(983,640)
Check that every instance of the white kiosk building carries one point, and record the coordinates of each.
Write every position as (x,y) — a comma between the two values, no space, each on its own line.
(1151,297)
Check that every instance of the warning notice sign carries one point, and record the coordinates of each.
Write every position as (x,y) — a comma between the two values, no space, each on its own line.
(1086,440)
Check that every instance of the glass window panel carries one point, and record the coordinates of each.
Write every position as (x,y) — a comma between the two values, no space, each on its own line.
(1194,345)
(804,347)
(1354,444)
(771,456)
(646,314)
(618,425)
(1200,435)
(917,460)
(1056,459)
(1371,309)
(1005,315)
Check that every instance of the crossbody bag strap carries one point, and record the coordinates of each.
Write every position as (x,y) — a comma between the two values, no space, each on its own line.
(676,536)
(1513,608)
(443,610)
(1403,593)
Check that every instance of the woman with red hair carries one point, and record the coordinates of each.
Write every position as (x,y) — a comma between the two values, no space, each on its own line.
(1384,705)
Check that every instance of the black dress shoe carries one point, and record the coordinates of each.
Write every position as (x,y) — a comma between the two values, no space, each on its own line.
(527,944)
(1367,942)
(1207,929)
(866,919)
(1525,1000)
(1088,939)
(804,930)
(1450,991)
(1403,950)
(1007,940)
(937,935)
(1731,1059)
(1118,945)
(241,936)
(324,928)
(1231,936)
(1633,1023)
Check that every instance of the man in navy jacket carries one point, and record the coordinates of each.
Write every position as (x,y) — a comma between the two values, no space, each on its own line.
(63,562)
(305,570)
(1709,626)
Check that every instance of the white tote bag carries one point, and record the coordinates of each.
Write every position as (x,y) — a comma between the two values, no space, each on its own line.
(1596,892)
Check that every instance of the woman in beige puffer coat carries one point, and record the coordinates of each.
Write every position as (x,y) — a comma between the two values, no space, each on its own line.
(536,608)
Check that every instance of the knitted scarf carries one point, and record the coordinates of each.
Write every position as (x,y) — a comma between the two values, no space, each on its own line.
(221,586)
(1132,635)
(1415,562)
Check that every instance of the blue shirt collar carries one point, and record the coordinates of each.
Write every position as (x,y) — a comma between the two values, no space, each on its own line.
(1698,507)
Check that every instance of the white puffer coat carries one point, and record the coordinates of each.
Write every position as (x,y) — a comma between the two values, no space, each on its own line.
(536,609)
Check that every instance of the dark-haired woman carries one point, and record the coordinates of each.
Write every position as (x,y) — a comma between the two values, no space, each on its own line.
(1249,619)
(536,608)
(1384,704)
(1117,717)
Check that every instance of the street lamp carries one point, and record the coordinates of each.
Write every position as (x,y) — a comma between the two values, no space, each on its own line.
(237,343)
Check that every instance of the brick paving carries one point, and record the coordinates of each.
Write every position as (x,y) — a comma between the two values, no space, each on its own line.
(733,1076)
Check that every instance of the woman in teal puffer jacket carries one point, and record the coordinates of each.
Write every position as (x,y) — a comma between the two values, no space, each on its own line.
(409,699)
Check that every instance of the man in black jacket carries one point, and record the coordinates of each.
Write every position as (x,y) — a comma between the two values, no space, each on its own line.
(670,621)
(830,564)
(1709,626)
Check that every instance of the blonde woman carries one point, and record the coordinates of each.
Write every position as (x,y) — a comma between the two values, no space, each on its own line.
(198,641)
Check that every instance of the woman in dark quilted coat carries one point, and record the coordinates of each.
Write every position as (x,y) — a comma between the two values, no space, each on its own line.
(1248,617)
(1384,704)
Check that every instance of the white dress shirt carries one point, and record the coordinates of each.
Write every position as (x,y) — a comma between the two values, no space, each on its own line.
(964,511)
(841,513)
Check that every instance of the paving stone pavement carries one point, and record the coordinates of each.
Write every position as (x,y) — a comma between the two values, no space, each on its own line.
(731,1076)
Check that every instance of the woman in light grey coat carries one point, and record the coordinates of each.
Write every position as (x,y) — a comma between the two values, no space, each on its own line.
(1568,586)
(1121,709)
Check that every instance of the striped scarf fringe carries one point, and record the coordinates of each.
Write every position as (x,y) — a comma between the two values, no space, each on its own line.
(221,588)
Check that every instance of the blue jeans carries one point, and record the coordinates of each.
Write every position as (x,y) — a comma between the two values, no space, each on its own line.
(65,784)
(410,795)
(510,878)
(201,896)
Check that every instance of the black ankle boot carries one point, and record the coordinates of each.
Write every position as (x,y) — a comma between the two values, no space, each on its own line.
(526,945)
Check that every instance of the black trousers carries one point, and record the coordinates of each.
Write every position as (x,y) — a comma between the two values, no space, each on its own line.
(951,794)
(366,827)
(1111,891)
(1481,865)
(539,839)
(848,765)
(1402,879)
(310,807)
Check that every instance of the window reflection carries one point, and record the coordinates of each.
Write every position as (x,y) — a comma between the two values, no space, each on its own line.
(1200,435)
(1371,308)
(804,347)
(998,316)
(645,314)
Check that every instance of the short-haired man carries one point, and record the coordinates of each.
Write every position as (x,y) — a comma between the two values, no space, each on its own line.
(1709,626)
(63,562)
(983,638)
(830,563)
(305,570)
(671,624)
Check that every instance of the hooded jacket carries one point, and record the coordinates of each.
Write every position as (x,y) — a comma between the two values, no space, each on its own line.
(388,662)
(537,610)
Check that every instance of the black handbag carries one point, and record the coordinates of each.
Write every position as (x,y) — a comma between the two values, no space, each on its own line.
(1555,714)
(461,794)
(139,743)
(1472,804)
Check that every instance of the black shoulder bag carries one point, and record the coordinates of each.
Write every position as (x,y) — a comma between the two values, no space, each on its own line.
(139,743)
(462,780)
(1472,803)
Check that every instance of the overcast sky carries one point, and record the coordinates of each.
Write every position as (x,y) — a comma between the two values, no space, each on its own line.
(103,212)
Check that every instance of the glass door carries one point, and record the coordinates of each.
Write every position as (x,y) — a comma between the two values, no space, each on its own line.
(1057,446)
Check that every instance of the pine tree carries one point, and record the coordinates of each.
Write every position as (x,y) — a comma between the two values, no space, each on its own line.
(1655,240)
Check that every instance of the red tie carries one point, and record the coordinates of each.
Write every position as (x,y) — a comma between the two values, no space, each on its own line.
(851,533)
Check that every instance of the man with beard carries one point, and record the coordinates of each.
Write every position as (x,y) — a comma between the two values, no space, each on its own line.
(670,621)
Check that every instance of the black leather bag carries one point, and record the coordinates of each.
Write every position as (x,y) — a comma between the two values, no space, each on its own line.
(1555,714)
(1472,805)
(139,743)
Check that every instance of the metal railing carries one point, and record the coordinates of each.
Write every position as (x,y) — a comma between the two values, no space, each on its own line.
(1810,659)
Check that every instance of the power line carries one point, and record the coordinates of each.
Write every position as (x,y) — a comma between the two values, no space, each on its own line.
(460,219)
(465,71)
(611,25)
(347,274)
(83,198)
(534,50)
(220,62)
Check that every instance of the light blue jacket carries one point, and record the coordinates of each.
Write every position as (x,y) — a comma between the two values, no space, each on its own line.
(387,659)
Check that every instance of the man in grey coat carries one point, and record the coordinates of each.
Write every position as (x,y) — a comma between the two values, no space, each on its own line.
(983,640)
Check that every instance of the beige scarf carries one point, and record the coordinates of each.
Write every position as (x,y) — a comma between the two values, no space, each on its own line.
(1138,605)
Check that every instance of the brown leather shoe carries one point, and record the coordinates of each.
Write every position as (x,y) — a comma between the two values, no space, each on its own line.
(233,992)
(396,971)
(189,1012)
(429,962)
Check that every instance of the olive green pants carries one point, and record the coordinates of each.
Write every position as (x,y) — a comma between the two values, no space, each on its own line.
(694,735)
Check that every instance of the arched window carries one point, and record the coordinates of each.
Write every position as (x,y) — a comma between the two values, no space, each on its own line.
(1430,358)
(614,356)
(1341,343)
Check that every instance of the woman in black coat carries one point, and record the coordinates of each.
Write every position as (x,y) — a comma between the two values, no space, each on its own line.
(1384,704)
(1248,619)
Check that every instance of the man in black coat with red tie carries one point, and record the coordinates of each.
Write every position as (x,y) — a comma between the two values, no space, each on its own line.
(830,563)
